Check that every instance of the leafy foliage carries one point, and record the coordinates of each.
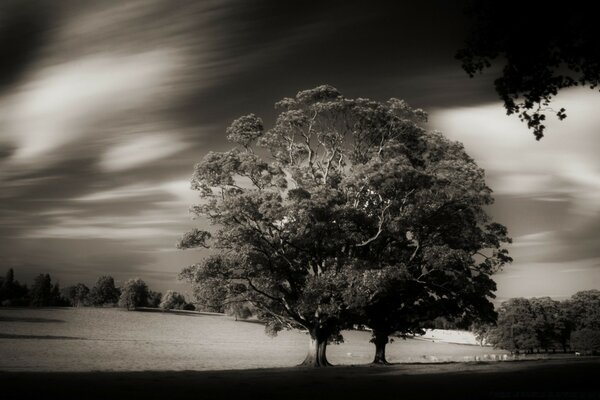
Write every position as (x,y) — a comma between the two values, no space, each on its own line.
(543,49)
(515,330)
(345,210)
(12,293)
(78,295)
(586,340)
(154,299)
(134,294)
(543,323)
(44,294)
(104,292)
(173,301)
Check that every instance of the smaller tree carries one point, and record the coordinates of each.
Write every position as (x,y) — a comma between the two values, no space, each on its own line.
(12,293)
(104,292)
(154,299)
(209,293)
(42,291)
(77,295)
(546,321)
(585,309)
(134,294)
(172,301)
(515,329)
(586,340)
(56,297)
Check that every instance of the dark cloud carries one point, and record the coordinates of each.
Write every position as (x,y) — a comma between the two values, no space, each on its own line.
(24,29)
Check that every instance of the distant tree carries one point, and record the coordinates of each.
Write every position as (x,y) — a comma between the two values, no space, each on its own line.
(543,49)
(342,191)
(209,293)
(546,321)
(515,328)
(12,293)
(42,291)
(172,301)
(104,292)
(57,299)
(78,295)
(134,294)
(584,309)
(7,286)
(565,325)
(586,340)
(154,299)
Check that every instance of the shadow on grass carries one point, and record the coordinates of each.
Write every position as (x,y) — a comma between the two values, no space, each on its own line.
(14,336)
(29,319)
(180,312)
(250,321)
(535,379)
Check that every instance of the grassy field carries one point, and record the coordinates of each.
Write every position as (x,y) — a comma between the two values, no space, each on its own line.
(113,354)
(96,339)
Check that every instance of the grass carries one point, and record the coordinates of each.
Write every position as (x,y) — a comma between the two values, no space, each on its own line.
(113,354)
(108,339)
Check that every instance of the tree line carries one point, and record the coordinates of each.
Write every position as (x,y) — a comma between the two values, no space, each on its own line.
(43,293)
(544,324)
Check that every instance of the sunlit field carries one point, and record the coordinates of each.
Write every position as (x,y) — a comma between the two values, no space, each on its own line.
(107,339)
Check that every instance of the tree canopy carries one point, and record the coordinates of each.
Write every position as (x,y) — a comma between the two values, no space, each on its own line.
(543,49)
(344,206)
(134,294)
(104,292)
(525,325)
(172,301)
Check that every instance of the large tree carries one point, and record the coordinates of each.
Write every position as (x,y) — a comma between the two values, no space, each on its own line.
(338,193)
(542,49)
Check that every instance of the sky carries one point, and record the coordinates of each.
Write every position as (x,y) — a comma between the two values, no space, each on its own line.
(105,107)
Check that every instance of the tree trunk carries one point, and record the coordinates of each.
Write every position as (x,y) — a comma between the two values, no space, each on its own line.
(317,351)
(380,340)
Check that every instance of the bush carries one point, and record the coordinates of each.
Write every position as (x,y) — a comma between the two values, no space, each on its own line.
(189,307)
(173,301)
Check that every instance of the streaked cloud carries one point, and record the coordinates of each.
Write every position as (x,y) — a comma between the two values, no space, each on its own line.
(140,150)
(65,102)
(104,112)
(557,183)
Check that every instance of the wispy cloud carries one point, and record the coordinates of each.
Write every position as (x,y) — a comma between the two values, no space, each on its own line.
(565,162)
(65,102)
(139,150)
(549,190)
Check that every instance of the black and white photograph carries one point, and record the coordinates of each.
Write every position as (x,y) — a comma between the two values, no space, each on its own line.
(299,199)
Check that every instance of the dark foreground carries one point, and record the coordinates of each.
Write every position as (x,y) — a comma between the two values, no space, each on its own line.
(546,379)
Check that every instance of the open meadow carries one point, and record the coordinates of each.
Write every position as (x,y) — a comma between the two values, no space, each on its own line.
(112,339)
(107,353)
